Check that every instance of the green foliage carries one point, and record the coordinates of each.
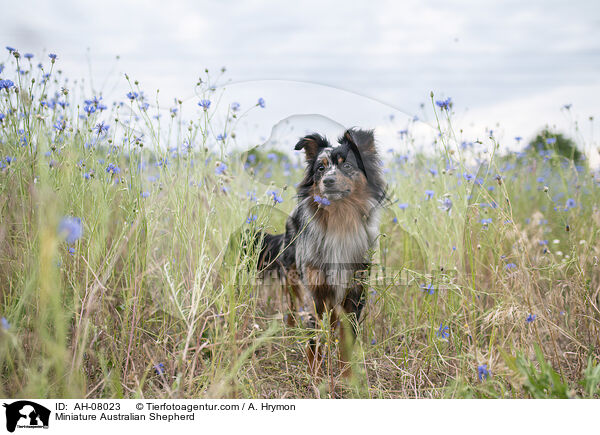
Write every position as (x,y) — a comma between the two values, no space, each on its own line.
(562,145)
(541,381)
(591,379)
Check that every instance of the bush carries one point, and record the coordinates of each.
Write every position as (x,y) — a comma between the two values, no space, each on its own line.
(547,141)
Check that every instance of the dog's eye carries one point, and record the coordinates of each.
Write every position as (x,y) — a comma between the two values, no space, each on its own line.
(321,168)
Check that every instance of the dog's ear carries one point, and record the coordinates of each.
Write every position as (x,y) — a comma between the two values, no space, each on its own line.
(363,139)
(352,143)
(311,145)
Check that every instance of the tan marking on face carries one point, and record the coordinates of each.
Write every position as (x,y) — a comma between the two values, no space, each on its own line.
(347,213)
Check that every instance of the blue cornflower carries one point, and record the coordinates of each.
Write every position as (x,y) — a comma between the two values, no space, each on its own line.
(251,219)
(89,109)
(373,341)
(101,128)
(261,102)
(551,140)
(205,104)
(60,125)
(159,368)
(10,49)
(162,162)
(219,170)
(5,324)
(444,104)
(272,157)
(403,206)
(6,84)
(235,106)
(276,198)
(52,57)
(145,194)
(9,159)
(251,196)
(468,176)
(71,228)
(429,194)
(221,137)
(72,251)
(530,318)
(427,288)
(570,203)
(322,201)
(483,372)
(132,95)
(113,169)
(510,266)
(443,331)
(28,56)
(486,221)
(518,138)
(433,171)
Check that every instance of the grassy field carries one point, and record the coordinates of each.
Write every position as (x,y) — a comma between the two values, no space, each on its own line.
(121,274)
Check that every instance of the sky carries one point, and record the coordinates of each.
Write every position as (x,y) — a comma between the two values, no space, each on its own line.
(509,65)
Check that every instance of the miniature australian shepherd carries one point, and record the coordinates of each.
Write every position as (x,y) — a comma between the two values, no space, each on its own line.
(329,234)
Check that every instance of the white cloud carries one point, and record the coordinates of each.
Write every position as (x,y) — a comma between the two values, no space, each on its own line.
(510,62)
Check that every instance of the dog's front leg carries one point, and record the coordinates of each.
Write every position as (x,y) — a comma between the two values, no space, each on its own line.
(314,281)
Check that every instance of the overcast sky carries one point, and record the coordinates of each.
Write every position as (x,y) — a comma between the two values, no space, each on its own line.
(515,63)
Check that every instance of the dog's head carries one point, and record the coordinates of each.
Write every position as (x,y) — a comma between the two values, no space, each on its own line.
(346,170)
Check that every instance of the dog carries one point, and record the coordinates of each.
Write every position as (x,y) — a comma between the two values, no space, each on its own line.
(330,232)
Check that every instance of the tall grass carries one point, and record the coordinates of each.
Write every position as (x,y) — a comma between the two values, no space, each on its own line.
(486,279)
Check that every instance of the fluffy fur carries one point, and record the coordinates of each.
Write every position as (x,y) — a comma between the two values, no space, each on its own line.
(329,233)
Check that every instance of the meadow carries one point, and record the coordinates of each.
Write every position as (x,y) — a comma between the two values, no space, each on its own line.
(122,273)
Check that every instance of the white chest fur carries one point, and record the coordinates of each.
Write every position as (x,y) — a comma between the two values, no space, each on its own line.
(338,253)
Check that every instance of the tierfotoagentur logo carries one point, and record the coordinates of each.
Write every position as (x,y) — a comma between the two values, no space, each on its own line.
(24,414)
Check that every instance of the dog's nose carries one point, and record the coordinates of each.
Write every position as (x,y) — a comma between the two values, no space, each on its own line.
(329,181)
